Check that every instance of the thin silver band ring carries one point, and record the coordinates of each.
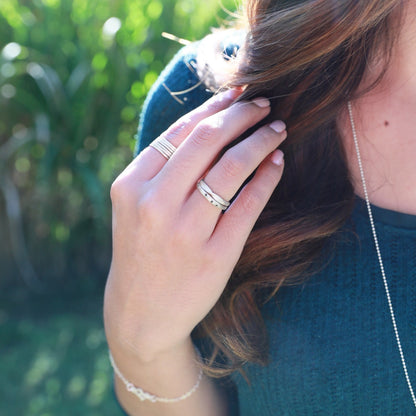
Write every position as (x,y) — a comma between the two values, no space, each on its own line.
(163,146)
(211,196)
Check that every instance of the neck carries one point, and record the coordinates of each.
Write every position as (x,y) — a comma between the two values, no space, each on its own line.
(386,123)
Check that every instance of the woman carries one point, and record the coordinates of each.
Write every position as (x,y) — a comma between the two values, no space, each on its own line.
(341,76)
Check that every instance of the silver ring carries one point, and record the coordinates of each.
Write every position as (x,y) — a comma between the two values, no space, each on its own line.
(163,146)
(211,196)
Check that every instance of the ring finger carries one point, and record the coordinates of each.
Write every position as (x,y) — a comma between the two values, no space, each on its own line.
(229,173)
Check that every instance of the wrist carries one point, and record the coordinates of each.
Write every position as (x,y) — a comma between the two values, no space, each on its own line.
(147,353)
(137,366)
(141,343)
(139,381)
(143,395)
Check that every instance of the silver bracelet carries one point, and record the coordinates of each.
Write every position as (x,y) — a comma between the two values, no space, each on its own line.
(143,395)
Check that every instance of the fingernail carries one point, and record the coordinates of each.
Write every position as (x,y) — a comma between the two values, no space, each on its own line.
(278,126)
(261,102)
(277,157)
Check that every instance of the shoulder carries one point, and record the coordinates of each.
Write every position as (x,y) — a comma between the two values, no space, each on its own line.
(191,77)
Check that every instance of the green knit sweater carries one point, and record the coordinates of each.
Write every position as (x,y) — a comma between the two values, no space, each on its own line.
(332,344)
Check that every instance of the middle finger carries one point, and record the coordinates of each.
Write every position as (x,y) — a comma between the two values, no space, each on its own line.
(201,148)
(228,175)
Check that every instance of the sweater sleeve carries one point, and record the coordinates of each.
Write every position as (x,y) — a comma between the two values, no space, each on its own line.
(179,88)
(177,91)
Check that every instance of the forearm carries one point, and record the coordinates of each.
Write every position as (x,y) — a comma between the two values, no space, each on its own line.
(174,252)
(168,376)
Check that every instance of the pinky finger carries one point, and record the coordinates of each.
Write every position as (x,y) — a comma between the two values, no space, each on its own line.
(237,222)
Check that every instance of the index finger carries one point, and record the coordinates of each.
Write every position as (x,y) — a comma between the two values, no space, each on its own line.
(149,162)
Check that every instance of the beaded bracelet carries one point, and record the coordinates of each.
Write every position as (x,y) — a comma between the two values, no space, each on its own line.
(143,395)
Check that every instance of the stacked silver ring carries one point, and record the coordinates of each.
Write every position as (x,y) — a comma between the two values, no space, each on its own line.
(211,196)
(163,146)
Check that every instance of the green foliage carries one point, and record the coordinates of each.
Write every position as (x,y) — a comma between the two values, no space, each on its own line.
(55,360)
(73,76)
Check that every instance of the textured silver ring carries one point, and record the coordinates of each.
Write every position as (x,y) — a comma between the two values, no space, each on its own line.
(211,196)
(163,146)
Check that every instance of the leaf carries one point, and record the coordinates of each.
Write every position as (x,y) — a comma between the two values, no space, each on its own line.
(77,78)
(49,84)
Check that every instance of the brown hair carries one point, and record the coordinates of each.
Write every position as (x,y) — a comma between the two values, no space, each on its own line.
(309,57)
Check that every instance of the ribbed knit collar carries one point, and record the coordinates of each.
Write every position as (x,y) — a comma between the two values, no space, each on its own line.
(387,216)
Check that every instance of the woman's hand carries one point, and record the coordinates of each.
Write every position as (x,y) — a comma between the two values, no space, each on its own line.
(173,251)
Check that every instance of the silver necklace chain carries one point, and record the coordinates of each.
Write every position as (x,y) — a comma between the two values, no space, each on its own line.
(380,260)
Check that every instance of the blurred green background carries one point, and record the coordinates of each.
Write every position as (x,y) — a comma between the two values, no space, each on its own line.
(73,77)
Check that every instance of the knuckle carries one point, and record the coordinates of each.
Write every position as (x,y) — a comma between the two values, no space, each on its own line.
(232,165)
(120,188)
(215,105)
(180,127)
(149,210)
(205,132)
(265,134)
(249,109)
(125,190)
(264,141)
(143,206)
(115,190)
